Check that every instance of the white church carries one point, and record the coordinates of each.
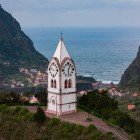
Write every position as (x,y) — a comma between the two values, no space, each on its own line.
(62,98)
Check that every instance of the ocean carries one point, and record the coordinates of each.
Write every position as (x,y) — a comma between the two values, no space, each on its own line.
(103,53)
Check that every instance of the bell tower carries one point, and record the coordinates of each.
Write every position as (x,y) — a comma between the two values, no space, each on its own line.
(62,98)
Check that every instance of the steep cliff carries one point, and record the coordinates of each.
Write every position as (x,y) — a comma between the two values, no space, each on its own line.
(131,77)
(16,49)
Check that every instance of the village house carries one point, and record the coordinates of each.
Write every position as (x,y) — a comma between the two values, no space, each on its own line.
(41,78)
(97,85)
(134,95)
(33,100)
(131,107)
(24,71)
(114,92)
(34,70)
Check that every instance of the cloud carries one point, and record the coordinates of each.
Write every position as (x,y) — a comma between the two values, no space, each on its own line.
(74,12)
(64,5)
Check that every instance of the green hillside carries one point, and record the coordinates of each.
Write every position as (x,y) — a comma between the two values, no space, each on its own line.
(16,49)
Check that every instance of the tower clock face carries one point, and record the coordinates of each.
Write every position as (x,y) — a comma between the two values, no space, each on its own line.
(68,69)
(53,69)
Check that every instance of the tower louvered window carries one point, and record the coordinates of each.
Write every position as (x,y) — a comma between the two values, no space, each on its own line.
(66,84)
(55,84)
(52,83)
(70,83)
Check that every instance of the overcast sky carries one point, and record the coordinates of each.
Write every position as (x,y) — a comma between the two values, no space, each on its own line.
(78,13)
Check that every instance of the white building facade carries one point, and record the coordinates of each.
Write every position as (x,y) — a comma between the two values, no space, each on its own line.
(62,98)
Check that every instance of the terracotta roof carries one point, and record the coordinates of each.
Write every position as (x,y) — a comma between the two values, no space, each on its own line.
(135,94)
(131,107)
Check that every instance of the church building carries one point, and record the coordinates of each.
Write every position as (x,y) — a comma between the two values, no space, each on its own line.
(62,98)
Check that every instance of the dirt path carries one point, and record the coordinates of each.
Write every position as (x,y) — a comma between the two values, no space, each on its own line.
(79,118)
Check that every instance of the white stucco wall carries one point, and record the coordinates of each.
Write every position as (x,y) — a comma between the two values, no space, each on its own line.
(53,106)
(68,98)
(68,107)
(67,102)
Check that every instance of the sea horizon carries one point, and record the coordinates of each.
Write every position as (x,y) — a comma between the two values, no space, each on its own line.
(102,52)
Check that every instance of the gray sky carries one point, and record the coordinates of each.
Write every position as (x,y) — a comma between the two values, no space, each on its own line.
(78,13)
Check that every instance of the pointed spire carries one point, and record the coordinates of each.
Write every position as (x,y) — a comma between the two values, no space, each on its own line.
(61,51)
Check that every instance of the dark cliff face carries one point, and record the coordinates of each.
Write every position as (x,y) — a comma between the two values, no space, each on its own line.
(84,83)
(131,77)
(16,49)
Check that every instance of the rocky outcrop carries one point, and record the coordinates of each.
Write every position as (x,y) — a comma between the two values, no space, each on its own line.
(131,77)
(85,83)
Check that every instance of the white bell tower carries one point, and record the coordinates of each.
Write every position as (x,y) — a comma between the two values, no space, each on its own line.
(62,98)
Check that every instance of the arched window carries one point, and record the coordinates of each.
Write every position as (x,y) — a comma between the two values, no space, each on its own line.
(70,83)
(66,84)
(54,83)
(53,101)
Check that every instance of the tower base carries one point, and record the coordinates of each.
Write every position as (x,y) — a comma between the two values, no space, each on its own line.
(60,113)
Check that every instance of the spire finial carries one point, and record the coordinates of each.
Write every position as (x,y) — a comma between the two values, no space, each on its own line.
(61,36)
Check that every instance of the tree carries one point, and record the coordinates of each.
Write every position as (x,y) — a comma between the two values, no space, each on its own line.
(40,116)
(42,96)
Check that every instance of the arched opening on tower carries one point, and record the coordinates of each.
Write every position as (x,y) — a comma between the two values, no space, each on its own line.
(55,84)
(70,83)
(53,101)
(66,84)
(52,83)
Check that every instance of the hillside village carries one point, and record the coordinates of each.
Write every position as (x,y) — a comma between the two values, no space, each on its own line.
(33,77)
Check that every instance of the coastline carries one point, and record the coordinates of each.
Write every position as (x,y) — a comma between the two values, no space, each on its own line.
(102,53)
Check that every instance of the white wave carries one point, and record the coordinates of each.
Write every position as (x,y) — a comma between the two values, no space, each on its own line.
(108,82)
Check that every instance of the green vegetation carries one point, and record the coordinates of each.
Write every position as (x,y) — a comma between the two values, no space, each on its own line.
(123,103)
(20,124)
(12,98)
(101,105)
(40,116)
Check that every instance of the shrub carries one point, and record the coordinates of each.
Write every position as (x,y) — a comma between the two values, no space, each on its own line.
(55,121)
(67,125)
(17,109)
(107,136)
(3,107)
(23,111)
(95,135)
(79,129)
(112,121)
(29,116)
(91,128)
(7,110)
(39,116)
